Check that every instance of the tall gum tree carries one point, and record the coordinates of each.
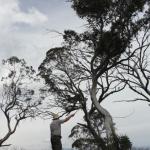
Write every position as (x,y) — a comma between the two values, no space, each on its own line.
(18,100)
(75,72)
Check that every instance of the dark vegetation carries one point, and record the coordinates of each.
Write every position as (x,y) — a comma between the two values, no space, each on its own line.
(87,69)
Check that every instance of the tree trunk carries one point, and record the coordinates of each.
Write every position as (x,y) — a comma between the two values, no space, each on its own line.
(108,121)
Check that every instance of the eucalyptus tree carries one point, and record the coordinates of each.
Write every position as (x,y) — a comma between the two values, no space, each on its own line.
(18,100)
(135,72)
(79,72)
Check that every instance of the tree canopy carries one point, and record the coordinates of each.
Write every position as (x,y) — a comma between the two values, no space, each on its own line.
(79,73)
(18,97)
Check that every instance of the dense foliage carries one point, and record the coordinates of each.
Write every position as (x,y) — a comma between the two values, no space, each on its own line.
(79,73)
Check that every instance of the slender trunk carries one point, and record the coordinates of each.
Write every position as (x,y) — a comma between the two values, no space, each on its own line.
(6,137)
(108,121)
(3,140)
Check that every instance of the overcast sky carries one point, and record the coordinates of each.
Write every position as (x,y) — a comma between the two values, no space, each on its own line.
(25,27)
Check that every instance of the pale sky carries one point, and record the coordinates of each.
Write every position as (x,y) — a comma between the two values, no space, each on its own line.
(25,32)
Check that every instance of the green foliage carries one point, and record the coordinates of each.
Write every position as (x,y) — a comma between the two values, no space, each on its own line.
(86,60)
(125,143)
(107,8)
(114,23)
(18,97)
(83,139)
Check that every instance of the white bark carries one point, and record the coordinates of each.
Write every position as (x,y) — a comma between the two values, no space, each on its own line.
(108,122)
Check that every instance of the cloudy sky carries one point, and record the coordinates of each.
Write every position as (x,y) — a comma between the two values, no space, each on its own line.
(25,31)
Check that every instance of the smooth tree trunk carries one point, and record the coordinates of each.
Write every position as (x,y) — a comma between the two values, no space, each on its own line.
(108,121)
